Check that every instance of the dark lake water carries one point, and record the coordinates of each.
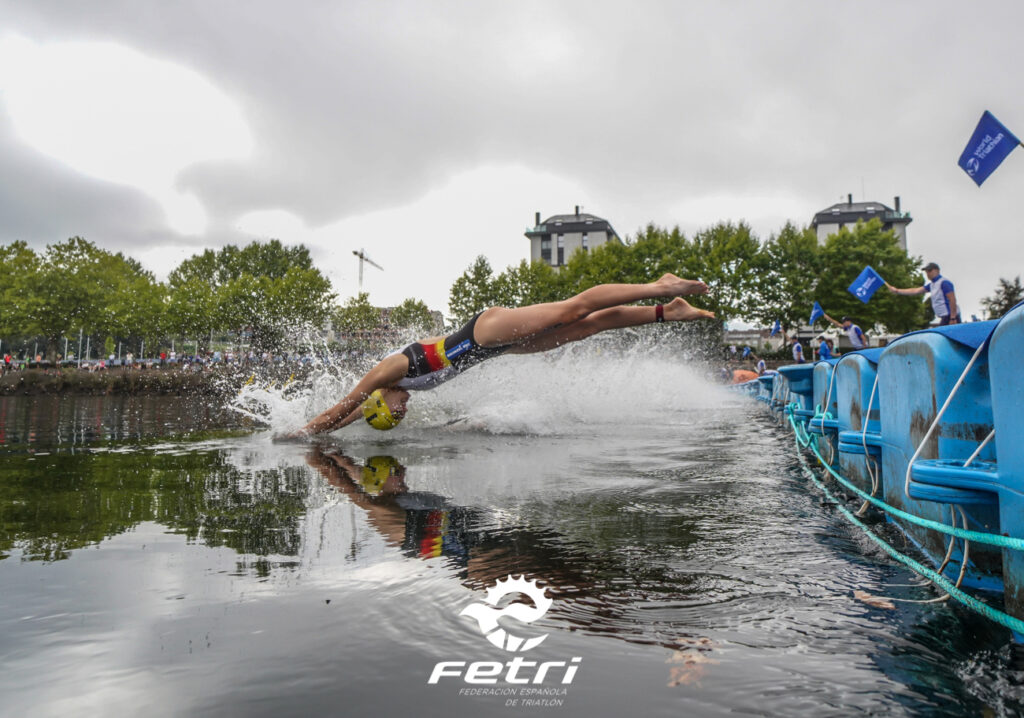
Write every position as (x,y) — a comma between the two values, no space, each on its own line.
(161,556)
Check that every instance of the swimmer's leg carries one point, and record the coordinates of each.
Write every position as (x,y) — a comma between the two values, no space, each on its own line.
(499,326)
(678,310)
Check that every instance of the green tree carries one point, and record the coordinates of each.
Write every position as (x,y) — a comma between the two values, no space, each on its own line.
(844,256)
(357,314)
(524,284)
(788,276)
(134,302)
(413,313)
(257,259)
(727,258)
(473,291)
(19,270)
(272,307)
(193,310)
(68,294)
(1006,296)
(267,288)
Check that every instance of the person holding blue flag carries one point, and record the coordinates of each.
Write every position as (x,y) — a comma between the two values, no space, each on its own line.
(943,294)
(857,337)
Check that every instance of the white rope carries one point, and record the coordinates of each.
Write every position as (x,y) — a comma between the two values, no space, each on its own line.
(824,411)
(828,394)
(980,447)
(868,459)
(938,417)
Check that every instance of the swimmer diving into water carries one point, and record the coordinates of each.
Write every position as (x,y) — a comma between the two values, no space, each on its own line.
(381,396)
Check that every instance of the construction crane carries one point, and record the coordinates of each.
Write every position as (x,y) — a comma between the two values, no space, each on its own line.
(363,258)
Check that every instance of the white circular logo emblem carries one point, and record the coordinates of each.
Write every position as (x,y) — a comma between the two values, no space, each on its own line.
(487,614)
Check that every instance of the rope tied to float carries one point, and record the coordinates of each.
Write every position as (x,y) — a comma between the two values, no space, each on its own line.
(994,614)
(810,441)
(868,459)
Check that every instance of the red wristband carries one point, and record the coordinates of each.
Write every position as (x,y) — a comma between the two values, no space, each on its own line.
(659,313)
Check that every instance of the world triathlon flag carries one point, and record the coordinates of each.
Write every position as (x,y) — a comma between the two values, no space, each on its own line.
(776,328)
(816,313)
(866,284)
(989,146)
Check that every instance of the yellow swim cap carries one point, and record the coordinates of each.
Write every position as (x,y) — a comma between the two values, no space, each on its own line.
(378,414)
(376,471)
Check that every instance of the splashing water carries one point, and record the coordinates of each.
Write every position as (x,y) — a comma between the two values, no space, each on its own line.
(568,391)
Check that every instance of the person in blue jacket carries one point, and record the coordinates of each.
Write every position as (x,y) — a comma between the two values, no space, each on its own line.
(824,352)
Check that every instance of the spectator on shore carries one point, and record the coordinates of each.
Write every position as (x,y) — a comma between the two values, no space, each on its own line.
(943,295)
(857,337)
(798,351)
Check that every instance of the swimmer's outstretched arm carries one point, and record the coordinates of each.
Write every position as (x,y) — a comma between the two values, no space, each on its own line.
(388,372)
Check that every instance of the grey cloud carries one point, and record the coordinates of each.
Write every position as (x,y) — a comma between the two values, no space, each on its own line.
(362,106)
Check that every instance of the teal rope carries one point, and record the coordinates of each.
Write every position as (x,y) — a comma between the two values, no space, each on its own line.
(994,614)
(811,441)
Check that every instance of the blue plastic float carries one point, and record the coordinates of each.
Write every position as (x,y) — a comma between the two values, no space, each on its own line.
(858,410)
(824,422)
(946,428)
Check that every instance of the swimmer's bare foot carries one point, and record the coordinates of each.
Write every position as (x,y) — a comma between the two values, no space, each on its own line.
(680,310)
(674,286)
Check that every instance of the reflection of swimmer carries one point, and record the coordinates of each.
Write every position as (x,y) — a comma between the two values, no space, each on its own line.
(382,394)
(427,525)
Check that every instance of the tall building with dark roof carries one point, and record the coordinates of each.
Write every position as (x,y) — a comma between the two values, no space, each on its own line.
(831,219)
(556,238)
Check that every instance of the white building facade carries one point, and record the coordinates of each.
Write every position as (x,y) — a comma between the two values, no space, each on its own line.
(831,219)
(557,238)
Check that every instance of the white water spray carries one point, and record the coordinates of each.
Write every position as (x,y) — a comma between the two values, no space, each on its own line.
(569,391)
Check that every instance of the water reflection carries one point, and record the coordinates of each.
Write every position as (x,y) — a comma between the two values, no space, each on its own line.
(688,563)
(427,525)
(55,503)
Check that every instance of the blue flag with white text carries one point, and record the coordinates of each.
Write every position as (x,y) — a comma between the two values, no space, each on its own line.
(987,148)
(776,328)
(746,352)
(816,313)
(866,284)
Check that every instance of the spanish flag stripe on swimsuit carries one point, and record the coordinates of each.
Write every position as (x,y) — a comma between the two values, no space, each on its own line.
(436,358)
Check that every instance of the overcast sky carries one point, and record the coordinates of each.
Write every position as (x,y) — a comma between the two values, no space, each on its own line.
(430,132)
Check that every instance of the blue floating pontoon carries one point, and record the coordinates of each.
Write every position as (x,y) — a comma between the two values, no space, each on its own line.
(930,430)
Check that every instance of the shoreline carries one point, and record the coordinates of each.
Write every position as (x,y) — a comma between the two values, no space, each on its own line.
(122,381)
